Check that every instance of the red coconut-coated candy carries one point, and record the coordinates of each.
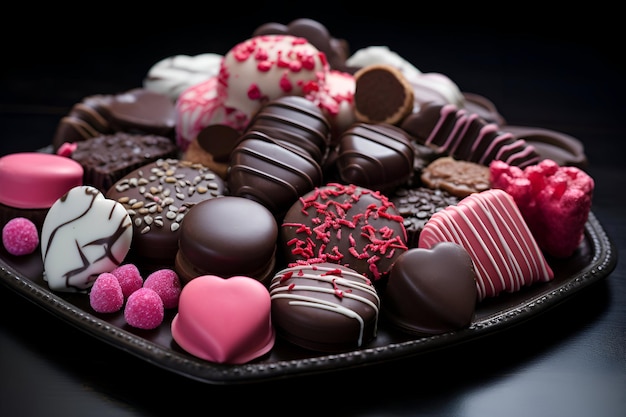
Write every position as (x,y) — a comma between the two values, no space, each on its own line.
(129,277)
(144,309)
(167,284)
(554,200)
(106,294)
(20,236)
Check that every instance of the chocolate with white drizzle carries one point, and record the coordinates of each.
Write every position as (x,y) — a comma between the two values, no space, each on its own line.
(324,307)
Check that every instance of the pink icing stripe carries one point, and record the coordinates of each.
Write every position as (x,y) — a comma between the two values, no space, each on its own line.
(443,116)
(494,143)
(456,135)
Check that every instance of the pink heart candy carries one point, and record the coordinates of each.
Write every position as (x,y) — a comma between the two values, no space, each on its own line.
(224,320)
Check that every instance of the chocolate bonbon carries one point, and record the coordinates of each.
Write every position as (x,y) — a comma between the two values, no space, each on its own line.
(227,236)
(135,111)
(325,307)
(467,136)
(199,326)
(432,291)
(344,224)
(375,156)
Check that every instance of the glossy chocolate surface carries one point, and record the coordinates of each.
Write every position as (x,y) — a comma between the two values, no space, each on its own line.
(227,236)
(375,156)
(271,172)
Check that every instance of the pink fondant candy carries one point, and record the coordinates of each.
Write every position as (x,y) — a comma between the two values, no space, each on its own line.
(224,320)
(129,277)
(144,309)
(106,294)
(490,226)
(33,180)
(554,200)
(20,236)
(167,284)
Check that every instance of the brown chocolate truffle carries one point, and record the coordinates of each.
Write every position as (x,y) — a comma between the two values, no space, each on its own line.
(227,236)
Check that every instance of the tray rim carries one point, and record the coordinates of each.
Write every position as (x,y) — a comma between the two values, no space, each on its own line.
(603,262)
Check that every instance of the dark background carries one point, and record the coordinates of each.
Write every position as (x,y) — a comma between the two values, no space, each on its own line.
(559,72)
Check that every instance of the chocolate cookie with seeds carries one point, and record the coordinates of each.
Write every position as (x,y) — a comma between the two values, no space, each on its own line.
(157,196)
(416,205)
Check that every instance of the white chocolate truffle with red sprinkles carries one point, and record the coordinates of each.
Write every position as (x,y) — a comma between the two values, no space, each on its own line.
(267,67)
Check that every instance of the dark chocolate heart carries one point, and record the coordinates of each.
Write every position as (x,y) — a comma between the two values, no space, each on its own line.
(431,291)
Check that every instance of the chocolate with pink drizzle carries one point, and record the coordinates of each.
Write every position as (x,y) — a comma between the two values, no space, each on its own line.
(467,136)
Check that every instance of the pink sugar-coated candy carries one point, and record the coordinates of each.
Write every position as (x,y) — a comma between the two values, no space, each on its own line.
(129,277)
(554,200)
(144,309)
(20,236)
(167,284)
(106,294)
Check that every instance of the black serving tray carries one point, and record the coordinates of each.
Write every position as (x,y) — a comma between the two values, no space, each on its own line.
(594,259)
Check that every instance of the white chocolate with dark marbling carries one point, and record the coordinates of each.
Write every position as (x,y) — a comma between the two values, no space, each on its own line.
(83,235)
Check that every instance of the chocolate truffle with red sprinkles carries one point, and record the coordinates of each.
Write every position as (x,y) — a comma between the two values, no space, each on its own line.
(347,225)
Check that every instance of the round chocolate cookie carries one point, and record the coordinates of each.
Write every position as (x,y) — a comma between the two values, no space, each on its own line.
(459,178)
(158,196)
(347,225)
(417,205)
(324,307)
(227,236)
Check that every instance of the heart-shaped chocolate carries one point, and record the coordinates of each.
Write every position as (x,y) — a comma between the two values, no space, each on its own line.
(224,320)
(431,291)
(83,235)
